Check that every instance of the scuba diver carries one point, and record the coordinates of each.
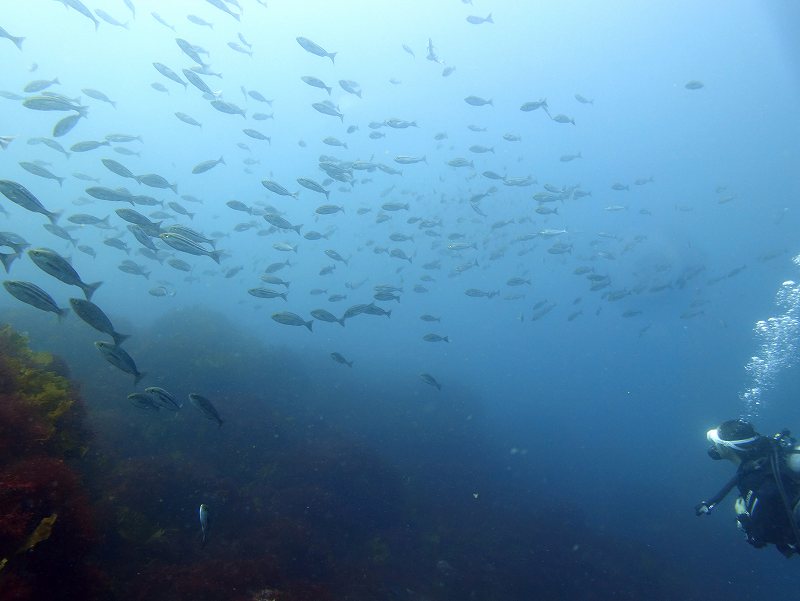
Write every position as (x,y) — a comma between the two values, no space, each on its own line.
(768,479)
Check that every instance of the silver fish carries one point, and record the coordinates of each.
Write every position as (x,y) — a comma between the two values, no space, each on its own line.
(206,407)
(313,48)
(429,379)
(120,359)
(41,172)
(95,317)
(316,83)
(34,296)
(291,319)
(184,244)
(163,398)
(340,359)
(57,266)
(20,195)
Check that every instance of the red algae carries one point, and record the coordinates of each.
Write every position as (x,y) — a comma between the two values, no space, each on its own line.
(46,529)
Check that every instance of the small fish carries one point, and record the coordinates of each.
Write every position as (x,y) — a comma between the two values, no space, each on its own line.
(478,101)
(65,126)
(57,266)
(328,108)
(694,85)
(228,107)
(35,169)
(198,21)
(204,523)
(350,86)
(340,359)
(561,118)
(98,95)
(88,145)
(206,408)
(291,319)
(184,244)
(161,20)
(275,187)
(223,7)
(323,315)
(207,165)
(435,338)
(120,359)
(313,48)
(169,74)
(474,20)
(143,401)
(32,295)
(20,195)
(188,120)
(256,135)
(429,379)
(266,293)
(95,317)
(316,83)
(163,398)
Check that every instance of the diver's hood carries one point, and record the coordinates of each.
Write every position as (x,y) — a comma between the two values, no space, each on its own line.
(731,437)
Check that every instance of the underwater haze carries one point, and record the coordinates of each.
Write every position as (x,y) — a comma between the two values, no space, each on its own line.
(456,287)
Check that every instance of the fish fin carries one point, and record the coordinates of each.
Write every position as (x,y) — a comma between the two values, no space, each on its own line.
(89,289)
(119,338)
(7,259)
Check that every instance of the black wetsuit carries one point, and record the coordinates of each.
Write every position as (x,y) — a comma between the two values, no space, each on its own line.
(768,509)
(767,518)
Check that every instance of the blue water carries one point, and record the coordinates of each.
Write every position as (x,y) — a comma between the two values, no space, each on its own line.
(603,413)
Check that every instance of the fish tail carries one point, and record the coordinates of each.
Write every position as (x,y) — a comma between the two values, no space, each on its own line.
(53,217)
(446,339)
(489,19)
(215,254)
(331,56)
(389,314)
(174,187)
(18,42)
(113,102)
(7,259)
(297,228)
(119,338)
(137,377)
(60,181)
(308,324)
(341,321)
(89,289)
(222,160)
(61,313)
(328,90)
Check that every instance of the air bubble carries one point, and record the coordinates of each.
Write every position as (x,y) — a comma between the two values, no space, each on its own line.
(778,336)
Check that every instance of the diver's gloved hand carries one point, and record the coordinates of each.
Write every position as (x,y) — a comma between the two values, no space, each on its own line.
(702,508)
